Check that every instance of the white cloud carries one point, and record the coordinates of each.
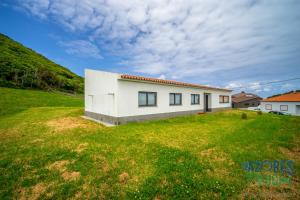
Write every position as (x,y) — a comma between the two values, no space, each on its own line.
(162,77)
(181,38)
(81,48)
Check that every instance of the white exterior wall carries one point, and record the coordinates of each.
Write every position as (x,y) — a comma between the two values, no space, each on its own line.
(293,107)
(101,92)
(128,97)
(215,99)
(107,94)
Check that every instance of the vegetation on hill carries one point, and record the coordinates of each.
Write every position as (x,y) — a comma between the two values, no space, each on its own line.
(21,67)
(50,152)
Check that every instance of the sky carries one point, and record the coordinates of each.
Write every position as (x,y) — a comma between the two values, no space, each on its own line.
(238,44)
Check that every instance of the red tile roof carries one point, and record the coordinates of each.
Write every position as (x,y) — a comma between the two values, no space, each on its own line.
(290,97)
(170,82)
(243,96)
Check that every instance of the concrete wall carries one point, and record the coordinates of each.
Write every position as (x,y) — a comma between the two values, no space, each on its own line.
(116,100)
(128,98)
(292,107)
(215,99)
(101,92)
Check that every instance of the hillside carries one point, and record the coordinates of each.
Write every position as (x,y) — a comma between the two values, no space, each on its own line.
(21,67)
(15,100)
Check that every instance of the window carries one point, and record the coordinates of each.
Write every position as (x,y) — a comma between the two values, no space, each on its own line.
(195,99)
(268,106)
(284,107)
(175,98)
(147,98)
(223,99)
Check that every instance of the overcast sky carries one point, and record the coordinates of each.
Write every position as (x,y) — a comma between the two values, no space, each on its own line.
(220,43)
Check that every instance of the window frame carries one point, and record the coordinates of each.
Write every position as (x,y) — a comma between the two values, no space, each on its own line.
(223,99)
(147,103)
(193,98)
(174,95)
(268,105)
(287,107)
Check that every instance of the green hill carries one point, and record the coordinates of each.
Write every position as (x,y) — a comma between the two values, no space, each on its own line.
(21,67)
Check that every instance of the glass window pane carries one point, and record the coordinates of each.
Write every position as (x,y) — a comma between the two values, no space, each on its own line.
(151,99)
(221,99)
(197,99)
(142,99)
(192,99)
(177,99)
(226,99)
(172,102)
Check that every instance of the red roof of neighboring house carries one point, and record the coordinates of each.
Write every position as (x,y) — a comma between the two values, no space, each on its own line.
(290,97)
(170,82)
(243,96)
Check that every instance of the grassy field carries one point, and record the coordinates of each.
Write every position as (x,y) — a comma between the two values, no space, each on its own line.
(47,151)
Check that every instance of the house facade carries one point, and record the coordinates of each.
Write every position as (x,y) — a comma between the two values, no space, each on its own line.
(245,100)
(119,98)
(288,103)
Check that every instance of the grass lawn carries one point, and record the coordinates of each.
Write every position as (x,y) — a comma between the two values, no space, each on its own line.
(47,151)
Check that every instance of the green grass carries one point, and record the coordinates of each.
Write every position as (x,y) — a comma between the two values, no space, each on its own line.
(48,151)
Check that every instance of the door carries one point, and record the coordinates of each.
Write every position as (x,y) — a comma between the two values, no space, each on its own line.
(297,109)
(207,102)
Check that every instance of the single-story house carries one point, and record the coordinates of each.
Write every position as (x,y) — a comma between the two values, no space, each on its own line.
(120,98)
(289,103)
(245,100)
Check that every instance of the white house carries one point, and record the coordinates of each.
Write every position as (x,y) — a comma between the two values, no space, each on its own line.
(120,98)
(289,103)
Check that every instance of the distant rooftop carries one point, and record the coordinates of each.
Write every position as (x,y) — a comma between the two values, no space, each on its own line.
(290,97)
(243,96)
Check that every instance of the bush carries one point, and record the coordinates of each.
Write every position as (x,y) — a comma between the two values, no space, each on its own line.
(259,113)
(244,116)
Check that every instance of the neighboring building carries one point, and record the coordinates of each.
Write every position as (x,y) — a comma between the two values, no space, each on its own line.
(289,103)
(245,100)
(119,98)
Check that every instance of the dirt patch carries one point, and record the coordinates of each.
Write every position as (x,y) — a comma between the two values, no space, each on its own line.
(59,165)
(37,141)
(216,156)
(253,191)
(103,163)
(123,178)
(68,123)
(37,190)
(32,193)
(293,154)
(71,176)
(81,147)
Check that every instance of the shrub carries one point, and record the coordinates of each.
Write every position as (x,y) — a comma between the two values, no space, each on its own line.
(259,113)
(244,116)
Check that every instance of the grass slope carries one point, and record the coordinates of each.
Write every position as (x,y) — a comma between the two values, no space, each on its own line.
(50,152)
(22,67)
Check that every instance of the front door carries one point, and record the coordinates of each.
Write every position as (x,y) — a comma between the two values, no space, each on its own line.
(207,102)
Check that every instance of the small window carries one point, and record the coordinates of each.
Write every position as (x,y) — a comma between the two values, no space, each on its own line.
(147,98)
(268,106)
(223,99)
(175,98)
(284,107)
(195,99)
